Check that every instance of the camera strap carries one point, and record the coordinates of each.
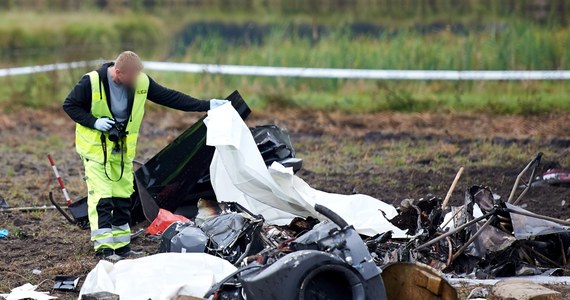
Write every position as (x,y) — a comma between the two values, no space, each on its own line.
(104,148)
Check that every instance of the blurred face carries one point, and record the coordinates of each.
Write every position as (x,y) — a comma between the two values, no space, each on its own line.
(127,75)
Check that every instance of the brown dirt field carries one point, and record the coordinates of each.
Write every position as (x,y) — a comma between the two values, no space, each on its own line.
(390,156)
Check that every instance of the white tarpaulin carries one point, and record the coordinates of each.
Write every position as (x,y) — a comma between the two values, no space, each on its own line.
(239,174)
(159,276)
(26,291)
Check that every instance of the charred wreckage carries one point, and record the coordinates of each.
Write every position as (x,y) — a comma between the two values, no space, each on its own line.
(327,258)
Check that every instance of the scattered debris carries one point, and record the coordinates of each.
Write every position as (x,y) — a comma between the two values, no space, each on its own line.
(557,177)
(36,271)
(3,203)
(264,232)
(278,237)
(65,283)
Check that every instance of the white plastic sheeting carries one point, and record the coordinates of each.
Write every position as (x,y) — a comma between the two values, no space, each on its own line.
(239,174)
(160,276)
(26,291)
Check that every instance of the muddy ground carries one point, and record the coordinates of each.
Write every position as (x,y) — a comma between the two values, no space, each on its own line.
(390,156)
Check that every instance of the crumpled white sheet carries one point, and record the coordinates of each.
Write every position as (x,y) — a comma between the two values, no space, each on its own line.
(159,276)
(26,291)
(239,174)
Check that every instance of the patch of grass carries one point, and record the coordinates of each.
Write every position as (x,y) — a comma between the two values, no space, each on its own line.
(410,156)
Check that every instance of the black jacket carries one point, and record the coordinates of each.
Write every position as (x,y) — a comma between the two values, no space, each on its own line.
(78,103)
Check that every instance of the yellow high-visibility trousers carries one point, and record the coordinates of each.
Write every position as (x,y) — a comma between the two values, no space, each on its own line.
(109,203)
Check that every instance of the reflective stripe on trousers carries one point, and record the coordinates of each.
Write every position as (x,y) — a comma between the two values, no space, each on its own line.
(121,236)
(111,238)
(102,238)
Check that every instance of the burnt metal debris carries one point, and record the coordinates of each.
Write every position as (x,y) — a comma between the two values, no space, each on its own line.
(483,238)
(322,261)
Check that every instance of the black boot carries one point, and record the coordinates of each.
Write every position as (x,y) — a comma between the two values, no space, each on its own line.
(104,253)
(123,251)
(126,251)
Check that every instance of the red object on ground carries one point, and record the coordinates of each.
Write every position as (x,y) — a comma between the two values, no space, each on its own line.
(163,220)
(557,177)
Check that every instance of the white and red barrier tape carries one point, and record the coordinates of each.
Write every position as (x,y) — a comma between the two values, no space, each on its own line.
(59,180)
(312,72)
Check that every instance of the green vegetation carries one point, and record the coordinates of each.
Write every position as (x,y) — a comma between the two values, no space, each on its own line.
(354,96)
(517,46)
(25,38)
(492,35)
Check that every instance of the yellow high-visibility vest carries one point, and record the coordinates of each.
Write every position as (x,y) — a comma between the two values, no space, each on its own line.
(88,141)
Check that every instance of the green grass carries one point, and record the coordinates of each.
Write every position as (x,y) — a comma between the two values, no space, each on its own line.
(519,46)
(352,96)
(25,38)
(510,43)
(401,12)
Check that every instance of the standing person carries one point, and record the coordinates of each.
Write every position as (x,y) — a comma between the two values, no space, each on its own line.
(108,107)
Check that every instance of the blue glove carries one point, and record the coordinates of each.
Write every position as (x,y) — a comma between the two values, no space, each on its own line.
(104,124)
(217,102)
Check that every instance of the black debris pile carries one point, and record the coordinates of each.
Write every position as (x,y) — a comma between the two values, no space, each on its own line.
(485,237)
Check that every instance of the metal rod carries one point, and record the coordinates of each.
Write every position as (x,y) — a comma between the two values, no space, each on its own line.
(528,186)
(450,251)
(564,259)
(472,238)
(533,215)
(435,240)
(58,207)
(27,208)
(515,186)
(452,188)
(137,234)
